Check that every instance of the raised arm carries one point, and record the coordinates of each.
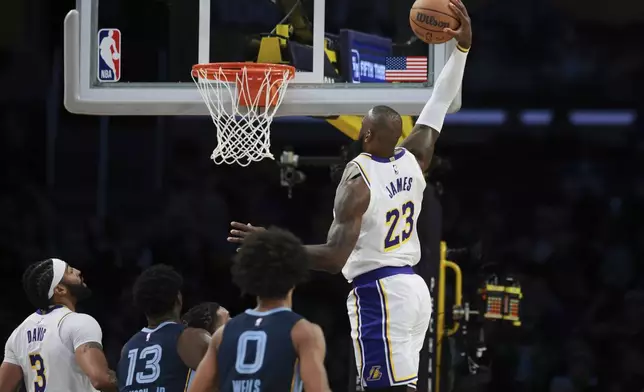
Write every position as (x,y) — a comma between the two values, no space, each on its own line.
(84,334)
(423,136)
(310,346)
(206,377)
(10,370)
(192,346)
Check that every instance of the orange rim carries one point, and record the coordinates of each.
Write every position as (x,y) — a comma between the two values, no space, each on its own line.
(212,71)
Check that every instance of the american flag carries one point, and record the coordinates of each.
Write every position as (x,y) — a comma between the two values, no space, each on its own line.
(406,69)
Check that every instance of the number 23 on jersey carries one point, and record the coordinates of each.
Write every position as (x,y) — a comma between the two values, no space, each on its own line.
(397,236)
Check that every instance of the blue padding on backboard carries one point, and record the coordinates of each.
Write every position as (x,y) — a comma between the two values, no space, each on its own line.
(362,55)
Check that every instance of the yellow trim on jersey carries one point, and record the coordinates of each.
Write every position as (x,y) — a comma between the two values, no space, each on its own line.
(409,221)
(364,173)
(357,340)
(388,340)
(41,374)
(185,387)
(62,318)
(391,225)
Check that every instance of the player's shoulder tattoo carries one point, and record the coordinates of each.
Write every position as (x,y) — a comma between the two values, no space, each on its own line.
(351,171)
(352,168)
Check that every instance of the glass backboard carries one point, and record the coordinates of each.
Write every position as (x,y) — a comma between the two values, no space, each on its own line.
(134,58)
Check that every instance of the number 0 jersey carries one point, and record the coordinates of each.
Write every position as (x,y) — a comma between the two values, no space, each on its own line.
(43,346)
(256,353)
(388,236)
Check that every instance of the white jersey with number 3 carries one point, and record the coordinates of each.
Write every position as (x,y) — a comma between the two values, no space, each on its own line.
(43,346)
(388,236)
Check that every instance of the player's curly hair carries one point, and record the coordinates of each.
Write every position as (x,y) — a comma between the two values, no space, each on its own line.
(270,263)
(155,291)
(36,281)
(202,316)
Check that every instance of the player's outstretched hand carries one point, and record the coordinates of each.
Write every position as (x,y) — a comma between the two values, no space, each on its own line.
(240,231)
(463,34)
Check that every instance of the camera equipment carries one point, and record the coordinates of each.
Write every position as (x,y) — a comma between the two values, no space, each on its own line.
(290,162)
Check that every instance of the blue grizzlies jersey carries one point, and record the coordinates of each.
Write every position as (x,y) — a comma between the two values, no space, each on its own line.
(150,361)
(256,353)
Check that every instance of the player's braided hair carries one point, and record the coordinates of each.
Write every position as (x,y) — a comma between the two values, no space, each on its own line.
(202,316)
(36,281)
(156,289)
(270,263)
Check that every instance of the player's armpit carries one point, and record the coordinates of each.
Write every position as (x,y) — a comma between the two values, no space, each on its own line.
(206,377)
(91,359)
(10,377)
(310,346)
(351,202)
(420,142)
(192,346)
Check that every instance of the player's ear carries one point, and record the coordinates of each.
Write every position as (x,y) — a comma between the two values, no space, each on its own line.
(367,135)
(60,290)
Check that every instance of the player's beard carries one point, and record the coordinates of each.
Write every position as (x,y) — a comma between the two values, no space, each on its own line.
(79,291)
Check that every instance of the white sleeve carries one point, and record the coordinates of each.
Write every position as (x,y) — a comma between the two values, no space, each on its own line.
(79,328)
(447,85)
(10,354)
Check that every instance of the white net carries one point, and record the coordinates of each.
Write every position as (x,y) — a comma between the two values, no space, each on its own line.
(242,102)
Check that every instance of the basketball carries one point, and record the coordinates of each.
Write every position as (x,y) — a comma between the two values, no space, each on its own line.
(428,18)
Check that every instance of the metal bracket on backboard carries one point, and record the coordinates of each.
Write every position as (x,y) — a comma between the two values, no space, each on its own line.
(84,96)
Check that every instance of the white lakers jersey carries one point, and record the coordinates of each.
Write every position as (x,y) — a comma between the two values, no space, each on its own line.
(388,236)
(47,358)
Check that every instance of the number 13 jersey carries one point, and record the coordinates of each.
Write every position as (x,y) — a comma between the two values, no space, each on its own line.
(388,236)
(150,361)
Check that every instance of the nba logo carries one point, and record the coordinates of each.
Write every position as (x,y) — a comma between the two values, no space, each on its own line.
(355,66)
(109,55)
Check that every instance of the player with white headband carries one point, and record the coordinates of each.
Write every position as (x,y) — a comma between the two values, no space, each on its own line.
(56,349)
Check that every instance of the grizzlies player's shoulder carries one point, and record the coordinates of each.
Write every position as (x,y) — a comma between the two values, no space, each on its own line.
(305,333)
(192,345)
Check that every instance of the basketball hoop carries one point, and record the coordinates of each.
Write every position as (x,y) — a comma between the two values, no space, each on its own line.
(254,93)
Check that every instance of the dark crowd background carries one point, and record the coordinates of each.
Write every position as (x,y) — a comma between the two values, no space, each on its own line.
(559,206)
